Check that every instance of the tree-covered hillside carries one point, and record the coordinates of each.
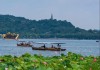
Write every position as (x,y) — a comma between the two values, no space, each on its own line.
(47,28)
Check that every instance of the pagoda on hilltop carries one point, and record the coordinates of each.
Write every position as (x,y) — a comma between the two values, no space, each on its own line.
(51,17)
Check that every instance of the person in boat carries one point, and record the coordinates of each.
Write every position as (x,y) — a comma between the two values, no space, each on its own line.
(22,43)
(43,46)
(59,46)
(52,46)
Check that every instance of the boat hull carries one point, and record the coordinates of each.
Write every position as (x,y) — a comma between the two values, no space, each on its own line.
(24,45)
(50,49)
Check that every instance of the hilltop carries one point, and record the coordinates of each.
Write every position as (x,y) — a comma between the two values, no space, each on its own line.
(46,28)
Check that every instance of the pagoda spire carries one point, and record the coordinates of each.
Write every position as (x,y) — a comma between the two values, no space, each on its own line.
(51,17)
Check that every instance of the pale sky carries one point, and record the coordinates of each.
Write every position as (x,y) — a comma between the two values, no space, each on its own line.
(81,13)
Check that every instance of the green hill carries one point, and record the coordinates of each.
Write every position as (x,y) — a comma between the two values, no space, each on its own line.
(47,28)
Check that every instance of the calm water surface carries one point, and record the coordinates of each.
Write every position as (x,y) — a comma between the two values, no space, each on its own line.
(84,47)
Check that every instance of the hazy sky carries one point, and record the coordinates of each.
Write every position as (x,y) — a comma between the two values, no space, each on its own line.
(81,13)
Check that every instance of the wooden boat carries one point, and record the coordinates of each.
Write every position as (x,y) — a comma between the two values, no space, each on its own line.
(97,41)
(51,49)
(24,44)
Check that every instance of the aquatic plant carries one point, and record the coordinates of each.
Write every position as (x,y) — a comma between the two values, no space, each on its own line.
(71,61)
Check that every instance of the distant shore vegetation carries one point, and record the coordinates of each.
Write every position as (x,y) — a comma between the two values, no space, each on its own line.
(46,28)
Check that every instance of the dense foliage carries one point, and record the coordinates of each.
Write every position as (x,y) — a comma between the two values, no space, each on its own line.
(47,28)
(71,61)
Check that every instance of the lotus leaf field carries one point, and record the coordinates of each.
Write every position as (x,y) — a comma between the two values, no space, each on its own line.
(71,61)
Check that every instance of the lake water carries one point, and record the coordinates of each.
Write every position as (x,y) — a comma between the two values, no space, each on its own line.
(84,47)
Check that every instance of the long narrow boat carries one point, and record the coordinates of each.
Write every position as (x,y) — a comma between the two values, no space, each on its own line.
(50,49)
